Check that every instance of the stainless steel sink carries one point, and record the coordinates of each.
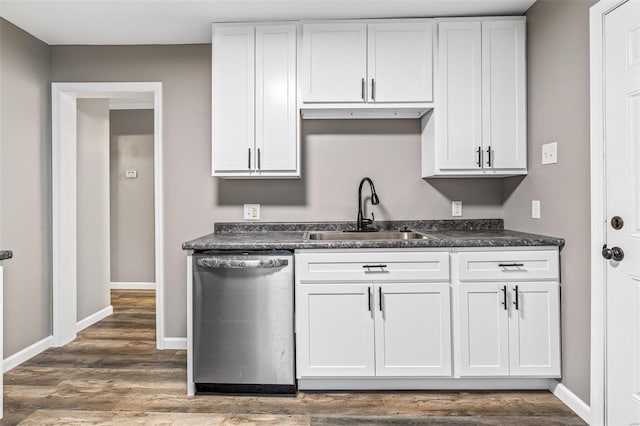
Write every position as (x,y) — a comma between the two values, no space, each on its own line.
(358,236)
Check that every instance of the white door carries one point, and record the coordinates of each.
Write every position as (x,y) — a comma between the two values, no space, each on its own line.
(534,329)
(459,113)
(335,330)
(413,333)
(504,95)
(484,329)
(622,144)
(334,62)
(400,62)
(233,99)
(276,117)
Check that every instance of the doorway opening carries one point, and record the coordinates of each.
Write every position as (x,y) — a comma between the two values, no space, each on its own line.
(82,214)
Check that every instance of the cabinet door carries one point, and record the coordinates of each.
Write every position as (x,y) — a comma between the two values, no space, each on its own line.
(400,62)
(334,330)
(276,118)
(413,333)
(334,63)
(534,330)
(484,329)
(504,95)
(233,99)
(459,114)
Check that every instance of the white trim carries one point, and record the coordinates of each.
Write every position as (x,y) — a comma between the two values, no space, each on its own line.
(598,214)
(131,286)
(63,115)
(94,318)
(26,354)
(129,104)
(191,386)
(177,343)
(570,399)
(377,383)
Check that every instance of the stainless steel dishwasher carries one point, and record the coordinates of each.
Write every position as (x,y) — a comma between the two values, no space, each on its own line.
(243,337)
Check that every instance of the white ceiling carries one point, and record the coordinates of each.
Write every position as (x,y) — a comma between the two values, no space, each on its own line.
(188,21)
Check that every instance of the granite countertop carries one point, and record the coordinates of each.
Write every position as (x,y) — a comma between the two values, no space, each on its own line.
(6,254)
(291,236)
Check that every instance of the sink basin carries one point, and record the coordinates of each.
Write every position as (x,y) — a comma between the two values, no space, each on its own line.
(357,236)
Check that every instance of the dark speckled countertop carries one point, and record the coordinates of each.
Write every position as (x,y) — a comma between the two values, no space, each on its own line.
(291,236)
(6,254)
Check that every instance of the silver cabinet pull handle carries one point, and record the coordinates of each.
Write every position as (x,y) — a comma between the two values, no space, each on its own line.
(362,89)
(373,89)
(258,158)
(249,160)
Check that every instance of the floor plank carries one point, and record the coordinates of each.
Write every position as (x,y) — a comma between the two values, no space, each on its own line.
(113,374)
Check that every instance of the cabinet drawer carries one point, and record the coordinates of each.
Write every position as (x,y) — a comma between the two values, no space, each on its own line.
(371,266)
(507,265)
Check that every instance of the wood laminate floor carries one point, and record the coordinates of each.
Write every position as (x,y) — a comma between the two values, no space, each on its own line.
(112,374)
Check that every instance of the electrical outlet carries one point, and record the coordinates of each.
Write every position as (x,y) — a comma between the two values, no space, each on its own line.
(456,208)
(535,209)
(252,212)
(550,153)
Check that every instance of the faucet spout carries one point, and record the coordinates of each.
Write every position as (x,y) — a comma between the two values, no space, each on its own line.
(362,223)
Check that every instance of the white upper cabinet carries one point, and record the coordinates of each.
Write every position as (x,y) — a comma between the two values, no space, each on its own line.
(255,119)
(233,98)
(459,110)
(504,88)
(480,114)
(367,62)
(400,62)
(334,62)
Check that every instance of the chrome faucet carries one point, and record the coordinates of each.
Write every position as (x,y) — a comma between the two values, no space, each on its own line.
(363,223)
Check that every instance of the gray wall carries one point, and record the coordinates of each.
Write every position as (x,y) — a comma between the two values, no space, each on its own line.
(25,187)
(558,97)
(336,154)
(92,207)
(132,209)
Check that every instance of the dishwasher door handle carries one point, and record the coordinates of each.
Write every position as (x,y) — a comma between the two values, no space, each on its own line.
(223,263)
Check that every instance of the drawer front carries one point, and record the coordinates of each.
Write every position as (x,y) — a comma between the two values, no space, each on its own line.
(507,265)
(372,267)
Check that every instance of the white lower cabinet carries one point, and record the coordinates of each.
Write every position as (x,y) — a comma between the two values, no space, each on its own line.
(507,327)
(375,327)
(407,319)
(412,325)
(335,330)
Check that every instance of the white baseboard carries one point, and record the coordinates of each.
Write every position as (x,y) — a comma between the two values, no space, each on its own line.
(571,400)
(179,343)
(94,318)
(26,354)
(132,286)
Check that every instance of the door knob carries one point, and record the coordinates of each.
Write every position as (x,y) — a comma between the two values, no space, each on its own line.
(606,252)
(617,254)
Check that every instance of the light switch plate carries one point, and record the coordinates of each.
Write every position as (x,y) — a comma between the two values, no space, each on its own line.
(456,208)
(550,153)
(131,174)
(535,209)
(252,212)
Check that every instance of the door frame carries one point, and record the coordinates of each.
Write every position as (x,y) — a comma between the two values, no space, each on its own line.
(64,98)
(597,15)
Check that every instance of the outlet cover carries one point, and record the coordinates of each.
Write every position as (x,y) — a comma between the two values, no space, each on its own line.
(456,208)
(252,212)
(535,209)
(550,153)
